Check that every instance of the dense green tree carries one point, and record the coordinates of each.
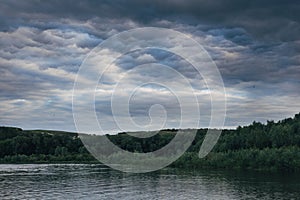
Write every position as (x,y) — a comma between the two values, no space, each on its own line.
(270,146)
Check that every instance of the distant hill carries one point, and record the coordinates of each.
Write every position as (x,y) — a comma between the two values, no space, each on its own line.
(270,146)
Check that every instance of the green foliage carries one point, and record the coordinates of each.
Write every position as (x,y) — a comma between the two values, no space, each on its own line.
(270,146)
(18,146)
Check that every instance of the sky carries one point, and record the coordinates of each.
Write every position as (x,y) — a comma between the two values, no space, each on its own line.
(255,45)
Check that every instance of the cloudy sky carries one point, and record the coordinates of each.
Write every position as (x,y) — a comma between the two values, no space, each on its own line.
(255,45)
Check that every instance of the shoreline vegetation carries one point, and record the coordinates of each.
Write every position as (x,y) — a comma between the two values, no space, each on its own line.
(274,146)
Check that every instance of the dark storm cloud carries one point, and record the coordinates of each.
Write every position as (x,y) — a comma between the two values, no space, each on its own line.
(255,44)
(268,19)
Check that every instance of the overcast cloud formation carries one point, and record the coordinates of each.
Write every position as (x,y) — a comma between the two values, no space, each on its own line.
(255,44)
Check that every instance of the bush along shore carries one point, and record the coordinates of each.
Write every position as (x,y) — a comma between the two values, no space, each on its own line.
(273,146)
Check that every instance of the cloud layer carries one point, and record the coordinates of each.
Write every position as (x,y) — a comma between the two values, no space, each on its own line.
(255,45)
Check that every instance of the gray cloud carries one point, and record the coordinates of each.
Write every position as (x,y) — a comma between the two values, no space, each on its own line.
(267,19)
(255,44)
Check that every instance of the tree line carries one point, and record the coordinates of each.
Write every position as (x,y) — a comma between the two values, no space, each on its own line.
(270,146)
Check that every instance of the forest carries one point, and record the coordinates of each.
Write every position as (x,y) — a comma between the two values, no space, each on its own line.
(273,146)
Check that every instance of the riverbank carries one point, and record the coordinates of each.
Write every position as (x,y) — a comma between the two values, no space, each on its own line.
(274,146)
(286,159)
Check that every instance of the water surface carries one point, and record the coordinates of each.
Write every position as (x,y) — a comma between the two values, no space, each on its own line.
(86,181)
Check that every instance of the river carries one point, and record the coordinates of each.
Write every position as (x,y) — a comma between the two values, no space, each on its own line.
(95,181)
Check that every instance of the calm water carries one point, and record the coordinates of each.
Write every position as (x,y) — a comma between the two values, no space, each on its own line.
(99,182)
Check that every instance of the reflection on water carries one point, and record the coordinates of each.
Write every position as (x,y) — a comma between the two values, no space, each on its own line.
(70,181)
